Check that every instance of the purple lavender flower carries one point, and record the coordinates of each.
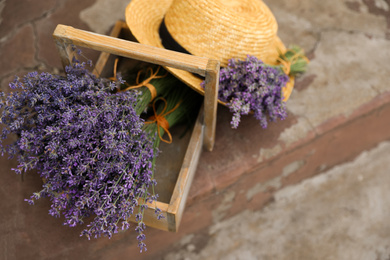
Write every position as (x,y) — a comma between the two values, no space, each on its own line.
(88,145)
(251,85)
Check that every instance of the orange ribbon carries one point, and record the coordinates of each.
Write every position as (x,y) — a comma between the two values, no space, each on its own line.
(115,67)
(161,121)
(146,82)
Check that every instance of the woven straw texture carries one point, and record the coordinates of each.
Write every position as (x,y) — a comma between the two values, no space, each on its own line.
(217,29)
(206,28)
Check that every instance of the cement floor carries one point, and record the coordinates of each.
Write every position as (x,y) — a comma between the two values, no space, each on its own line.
(342,213)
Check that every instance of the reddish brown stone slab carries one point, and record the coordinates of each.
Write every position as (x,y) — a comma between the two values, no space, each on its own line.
(17,13)
(67,14)
(18,52)
(237,151)
(202,186)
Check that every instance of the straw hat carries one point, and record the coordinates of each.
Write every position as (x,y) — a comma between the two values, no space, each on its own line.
(217,29)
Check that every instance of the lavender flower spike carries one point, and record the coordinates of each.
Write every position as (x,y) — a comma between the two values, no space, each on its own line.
(251,85)
(87,144)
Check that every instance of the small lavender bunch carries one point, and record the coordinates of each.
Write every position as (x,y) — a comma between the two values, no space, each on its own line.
(87,144)
(251,85)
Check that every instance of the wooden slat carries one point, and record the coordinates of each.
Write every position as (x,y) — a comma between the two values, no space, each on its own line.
(187,173)
(103,57)
(67,35)
(210,103)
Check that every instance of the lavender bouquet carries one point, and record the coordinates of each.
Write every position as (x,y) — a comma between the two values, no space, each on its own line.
(251,86)
(88,144)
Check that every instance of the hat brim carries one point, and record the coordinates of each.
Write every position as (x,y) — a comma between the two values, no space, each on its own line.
(143,17)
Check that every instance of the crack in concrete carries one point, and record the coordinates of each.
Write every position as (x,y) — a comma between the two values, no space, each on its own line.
(35,41)
(18,27)
(40,64)
(48,12)
(42,16)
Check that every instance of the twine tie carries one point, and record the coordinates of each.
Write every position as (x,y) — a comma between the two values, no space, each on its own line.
(160,119)
(145,83)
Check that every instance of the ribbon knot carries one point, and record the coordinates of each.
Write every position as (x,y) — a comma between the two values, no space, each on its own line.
(160,119)
(145,83)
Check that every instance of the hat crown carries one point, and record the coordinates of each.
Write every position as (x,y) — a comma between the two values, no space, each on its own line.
(144,18)
(223,29)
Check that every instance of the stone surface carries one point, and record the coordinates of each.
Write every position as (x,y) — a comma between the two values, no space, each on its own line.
(340,107)
(340,214)
(18,52)
(103,14)
(304,19)
(2,5)
(67,13)
(14,14)
(237,151)
(342,78)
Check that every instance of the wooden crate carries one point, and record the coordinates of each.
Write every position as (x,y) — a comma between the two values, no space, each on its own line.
(173,182)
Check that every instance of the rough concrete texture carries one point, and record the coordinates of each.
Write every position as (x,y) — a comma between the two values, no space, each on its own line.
(337,66)
(340,214)
(103,14)
(318,16)
(341,38)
